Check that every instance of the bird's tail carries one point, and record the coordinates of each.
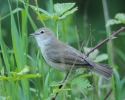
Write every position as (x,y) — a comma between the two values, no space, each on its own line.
(101,69)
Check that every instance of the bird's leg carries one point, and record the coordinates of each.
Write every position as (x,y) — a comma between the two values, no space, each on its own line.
(65,78)
(60,86)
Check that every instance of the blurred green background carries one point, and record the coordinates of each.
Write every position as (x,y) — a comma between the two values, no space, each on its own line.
(89,18)
(90,21)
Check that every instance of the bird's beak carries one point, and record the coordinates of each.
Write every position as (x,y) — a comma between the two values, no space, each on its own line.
(32,34)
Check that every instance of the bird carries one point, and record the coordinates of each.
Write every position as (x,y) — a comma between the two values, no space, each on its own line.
(63,57)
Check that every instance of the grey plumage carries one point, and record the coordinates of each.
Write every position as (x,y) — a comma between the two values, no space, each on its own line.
(62,56)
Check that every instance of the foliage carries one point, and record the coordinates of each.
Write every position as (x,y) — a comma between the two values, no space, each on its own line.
(19,76)
(61,11)
(94,55)
(18,50)
(119,18)
(119,86)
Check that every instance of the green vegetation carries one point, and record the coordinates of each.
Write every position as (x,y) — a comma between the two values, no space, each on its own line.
(24,75)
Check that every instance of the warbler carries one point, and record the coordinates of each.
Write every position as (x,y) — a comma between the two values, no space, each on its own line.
(64,57)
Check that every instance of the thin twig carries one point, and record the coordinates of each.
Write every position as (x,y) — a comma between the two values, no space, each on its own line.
(108,94)
(106,40)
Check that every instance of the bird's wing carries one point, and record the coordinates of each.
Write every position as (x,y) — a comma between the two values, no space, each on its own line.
(68,55)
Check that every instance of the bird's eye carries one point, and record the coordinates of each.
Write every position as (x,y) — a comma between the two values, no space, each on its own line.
(42,32)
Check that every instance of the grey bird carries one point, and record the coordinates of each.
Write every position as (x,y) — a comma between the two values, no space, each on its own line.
(62,56)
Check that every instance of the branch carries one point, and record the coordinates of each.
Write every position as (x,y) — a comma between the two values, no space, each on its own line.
(106,40)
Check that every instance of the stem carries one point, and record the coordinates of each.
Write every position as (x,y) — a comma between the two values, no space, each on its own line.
(39,14)
(75,20)
(110,47)
(111,89)
(85,18)
(106,40)
(57,30)
(64,30)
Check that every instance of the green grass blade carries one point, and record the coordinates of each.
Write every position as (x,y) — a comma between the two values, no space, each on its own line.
(18,53)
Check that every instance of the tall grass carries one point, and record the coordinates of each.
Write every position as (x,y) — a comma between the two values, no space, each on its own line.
(116,84)
(110,43)
(25,52)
